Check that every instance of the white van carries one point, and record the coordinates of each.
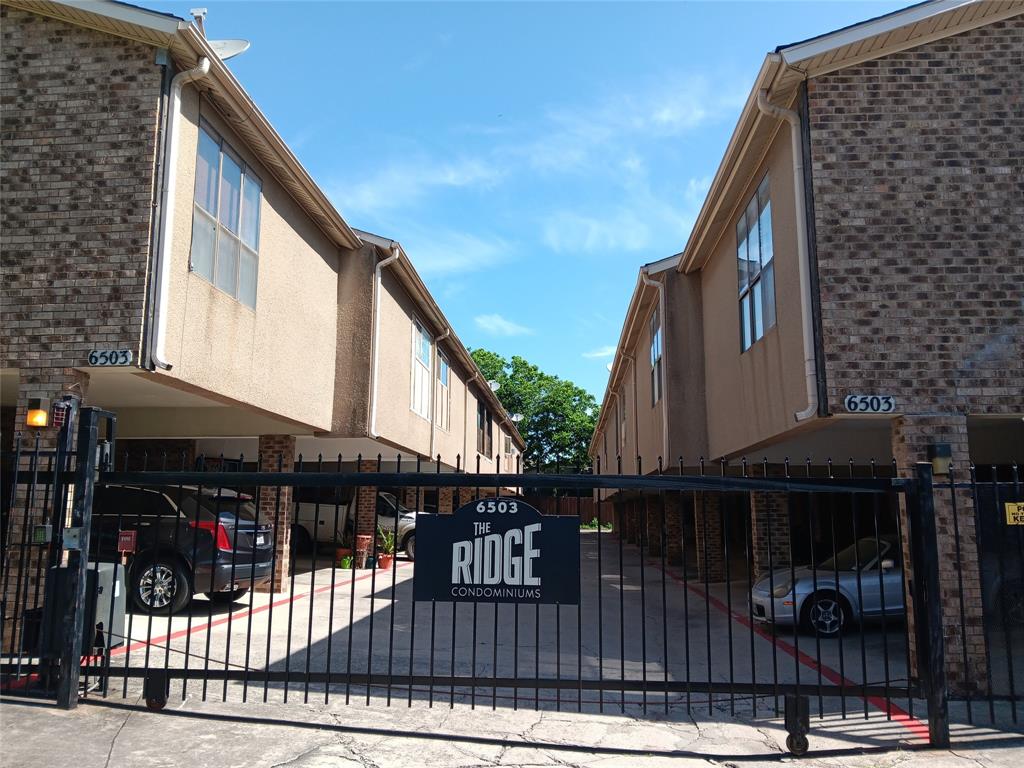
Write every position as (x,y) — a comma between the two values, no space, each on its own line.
(324,515)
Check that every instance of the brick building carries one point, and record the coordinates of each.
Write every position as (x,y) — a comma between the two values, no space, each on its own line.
(862,238)
(150,210)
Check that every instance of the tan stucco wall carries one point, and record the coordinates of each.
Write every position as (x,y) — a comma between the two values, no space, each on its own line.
(397,422)
(751,396)
(685,393)
(352,373)
(280,357)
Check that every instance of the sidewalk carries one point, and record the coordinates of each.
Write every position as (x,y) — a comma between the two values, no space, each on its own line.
(297,735)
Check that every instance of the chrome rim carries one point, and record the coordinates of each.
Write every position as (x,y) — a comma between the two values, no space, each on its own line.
(826,616)
(157,586)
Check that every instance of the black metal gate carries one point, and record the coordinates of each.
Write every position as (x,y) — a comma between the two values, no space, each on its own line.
(686,600)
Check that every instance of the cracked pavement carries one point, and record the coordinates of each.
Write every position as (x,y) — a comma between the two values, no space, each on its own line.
(123,734)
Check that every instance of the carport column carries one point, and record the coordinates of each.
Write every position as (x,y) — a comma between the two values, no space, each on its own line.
(769,529)
(277,454)
(707,518)
(652,512)
(911,435)
(674,528)
(28,565)
(445,500)
(366,503)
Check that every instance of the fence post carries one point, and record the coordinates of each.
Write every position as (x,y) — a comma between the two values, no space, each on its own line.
(73,607)
(927,597)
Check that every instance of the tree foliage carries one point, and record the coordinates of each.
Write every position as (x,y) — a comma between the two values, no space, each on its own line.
(558,416)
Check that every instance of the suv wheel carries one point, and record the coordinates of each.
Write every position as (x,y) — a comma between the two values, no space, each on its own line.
(410,546)
(160,586)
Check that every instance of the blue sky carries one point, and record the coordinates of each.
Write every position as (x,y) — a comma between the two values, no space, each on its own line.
(529,156)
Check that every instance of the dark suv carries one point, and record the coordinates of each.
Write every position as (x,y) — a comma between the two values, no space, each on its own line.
(188,540)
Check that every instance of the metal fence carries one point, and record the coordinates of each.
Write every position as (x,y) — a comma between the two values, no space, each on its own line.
(754,590)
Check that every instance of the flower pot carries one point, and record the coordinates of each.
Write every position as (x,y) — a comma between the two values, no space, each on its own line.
(371,562)
(384,561)
(341,552)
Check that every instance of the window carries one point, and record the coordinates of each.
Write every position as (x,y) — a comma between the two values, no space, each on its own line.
(507,451)
(444,393)
(756,270)
(484,431)
(655,357)
(420,370)
(225,219)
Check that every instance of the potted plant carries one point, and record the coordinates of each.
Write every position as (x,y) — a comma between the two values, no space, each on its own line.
(385,548)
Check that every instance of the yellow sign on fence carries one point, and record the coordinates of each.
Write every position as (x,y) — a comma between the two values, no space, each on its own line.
(1014,513)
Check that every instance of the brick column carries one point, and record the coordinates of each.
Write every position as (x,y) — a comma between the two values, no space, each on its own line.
(911,435)
(366,503)
(769,520)
(652,514)
(708,529)
(465,496)
(277,454)
(25,579)
(673,505)
(445,500)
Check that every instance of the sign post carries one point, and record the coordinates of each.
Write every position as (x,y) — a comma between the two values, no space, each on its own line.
(497,550)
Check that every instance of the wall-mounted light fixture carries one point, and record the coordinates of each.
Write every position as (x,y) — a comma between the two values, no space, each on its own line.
(941,456)
(38,414)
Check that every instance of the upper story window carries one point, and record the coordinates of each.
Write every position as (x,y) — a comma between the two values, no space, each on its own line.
(225,219)
(444,392)
(420,370)
(484,430)
(655,357)
(754,253)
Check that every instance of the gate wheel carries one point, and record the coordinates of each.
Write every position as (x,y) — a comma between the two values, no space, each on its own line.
(796,743)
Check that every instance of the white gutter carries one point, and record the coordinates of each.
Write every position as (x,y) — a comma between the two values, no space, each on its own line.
(433,387)
(646,277)
(395,253)
(167,194)
(803,257)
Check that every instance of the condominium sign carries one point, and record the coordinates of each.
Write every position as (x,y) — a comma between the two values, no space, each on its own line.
(497,550)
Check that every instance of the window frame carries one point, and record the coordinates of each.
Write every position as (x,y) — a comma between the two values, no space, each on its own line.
(657,383)
(420,330)
(443,414)
(243,249)
(484,430)
(757,309)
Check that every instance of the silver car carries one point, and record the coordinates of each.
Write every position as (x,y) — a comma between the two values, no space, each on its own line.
(827,599)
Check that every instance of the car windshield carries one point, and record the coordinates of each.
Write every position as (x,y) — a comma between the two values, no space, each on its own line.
(391,503)
(865,552)
(210,506)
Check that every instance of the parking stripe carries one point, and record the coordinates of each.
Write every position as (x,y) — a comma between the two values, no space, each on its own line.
(897,713)
(242,614)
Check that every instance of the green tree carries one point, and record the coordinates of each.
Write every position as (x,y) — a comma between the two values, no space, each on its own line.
(558,416)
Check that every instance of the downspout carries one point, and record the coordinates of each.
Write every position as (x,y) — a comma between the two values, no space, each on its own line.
(433,387)
(645,276)
(395,252)
(158,354)
(800,204)
(465,421)
(636,427)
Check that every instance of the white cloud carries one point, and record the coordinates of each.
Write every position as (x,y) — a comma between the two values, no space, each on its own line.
(606,351)
(401,184)
(696,189)
(440,251)
(620,230)
(496,325)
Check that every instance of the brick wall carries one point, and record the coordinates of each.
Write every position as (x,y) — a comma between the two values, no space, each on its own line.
(277,454)
(79,132)
(917,165)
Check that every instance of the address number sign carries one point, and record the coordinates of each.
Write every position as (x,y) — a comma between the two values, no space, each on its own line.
(870,403)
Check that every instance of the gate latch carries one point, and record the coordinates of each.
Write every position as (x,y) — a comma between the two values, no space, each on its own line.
(73,538)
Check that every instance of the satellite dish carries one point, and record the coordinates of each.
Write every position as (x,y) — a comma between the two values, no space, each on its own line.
(494,385)
(228,49)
